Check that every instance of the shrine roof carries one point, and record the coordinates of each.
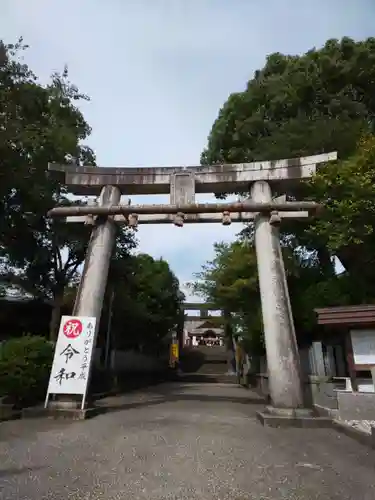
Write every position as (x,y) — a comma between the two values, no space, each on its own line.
(361,315)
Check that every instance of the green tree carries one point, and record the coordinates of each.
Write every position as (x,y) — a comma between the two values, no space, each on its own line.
(230,282)
(318,102)
(147,303)
(40,124)
(346,189)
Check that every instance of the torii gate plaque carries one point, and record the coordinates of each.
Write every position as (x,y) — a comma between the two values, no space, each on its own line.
(182,183)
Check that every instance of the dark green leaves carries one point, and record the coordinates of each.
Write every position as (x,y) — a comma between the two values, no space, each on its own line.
(299,105)
(147,301)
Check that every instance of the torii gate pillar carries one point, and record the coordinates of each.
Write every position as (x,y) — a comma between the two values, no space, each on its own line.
(90,295)
(282,353)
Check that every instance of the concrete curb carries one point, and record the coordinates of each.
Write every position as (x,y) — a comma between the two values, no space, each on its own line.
(7,412)
(344,428)
(67,414)
(360,436)
(277,421)
(323,411)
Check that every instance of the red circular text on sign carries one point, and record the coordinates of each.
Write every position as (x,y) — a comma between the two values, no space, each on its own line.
(72,328)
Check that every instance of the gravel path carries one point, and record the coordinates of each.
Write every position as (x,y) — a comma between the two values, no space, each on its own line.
(179,441)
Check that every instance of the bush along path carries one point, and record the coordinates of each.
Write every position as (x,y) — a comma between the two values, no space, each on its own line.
(25,365)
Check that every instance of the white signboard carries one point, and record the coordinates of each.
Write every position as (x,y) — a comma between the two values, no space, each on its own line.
(363,342)
(71,362)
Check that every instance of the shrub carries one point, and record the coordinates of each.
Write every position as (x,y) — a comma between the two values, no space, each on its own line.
(25,365)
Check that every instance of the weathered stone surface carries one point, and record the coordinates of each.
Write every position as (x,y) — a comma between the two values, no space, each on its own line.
(208,179)
(357,432)
(61,413)
(322,391)
(356,405)
(293,417)
(284,371)
(310,422)
(180,442)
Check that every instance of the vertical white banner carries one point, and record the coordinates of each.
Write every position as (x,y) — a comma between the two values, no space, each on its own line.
(73,352)
(363,342)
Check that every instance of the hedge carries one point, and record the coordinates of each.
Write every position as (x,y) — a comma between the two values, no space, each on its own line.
(25,365)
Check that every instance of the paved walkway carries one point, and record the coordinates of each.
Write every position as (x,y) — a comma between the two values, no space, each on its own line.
(179,442)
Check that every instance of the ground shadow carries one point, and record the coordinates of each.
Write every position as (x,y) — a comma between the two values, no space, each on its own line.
(201,378)
(191,361)
(13,471)
(174,392)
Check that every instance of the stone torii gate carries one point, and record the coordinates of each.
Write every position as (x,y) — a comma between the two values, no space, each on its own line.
(182,183)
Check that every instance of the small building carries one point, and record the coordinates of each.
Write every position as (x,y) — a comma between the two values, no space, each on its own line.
(347,345)
(203,332)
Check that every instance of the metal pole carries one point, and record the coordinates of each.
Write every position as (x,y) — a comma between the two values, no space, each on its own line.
(192,208)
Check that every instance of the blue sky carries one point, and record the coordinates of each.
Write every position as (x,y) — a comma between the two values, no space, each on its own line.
(158,71)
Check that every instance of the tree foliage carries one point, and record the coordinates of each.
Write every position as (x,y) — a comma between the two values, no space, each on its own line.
(347,223)
(295,106)
(25,365)
(147,302)
(230,282)
(318,102)
(40,124)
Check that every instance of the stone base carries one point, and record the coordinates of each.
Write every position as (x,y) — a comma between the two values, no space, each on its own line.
(292,417)
(356,405)
(361,437)
(290,412)
(57,412)
(323,411)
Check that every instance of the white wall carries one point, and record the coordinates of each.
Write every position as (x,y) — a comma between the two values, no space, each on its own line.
(363,342)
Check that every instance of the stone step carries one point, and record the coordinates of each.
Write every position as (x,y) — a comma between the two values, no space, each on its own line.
(199,378)
(218,353)
(214,369)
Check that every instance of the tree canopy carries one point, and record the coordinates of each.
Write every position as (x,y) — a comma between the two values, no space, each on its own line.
(147,302)
(230,282)
(41,124)
(38,124)
(318,102)
(295,106)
